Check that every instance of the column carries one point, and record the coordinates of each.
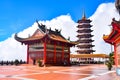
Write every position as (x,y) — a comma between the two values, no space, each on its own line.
(116,56)
(44,52)
(62,52)
(69,55)
(54,52)
(28,54)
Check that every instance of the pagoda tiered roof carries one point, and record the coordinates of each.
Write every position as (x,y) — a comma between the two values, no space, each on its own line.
(84,30)
(85,46)
(84,35)
(84,20)
(85,51)
(84,26)
(85,41)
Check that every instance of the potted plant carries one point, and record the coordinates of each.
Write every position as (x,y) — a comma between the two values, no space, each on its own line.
(110,62)
(39,63)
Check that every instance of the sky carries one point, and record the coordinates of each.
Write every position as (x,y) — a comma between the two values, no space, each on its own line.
(19,16)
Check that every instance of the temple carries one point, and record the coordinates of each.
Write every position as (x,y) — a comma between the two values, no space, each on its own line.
(84,36)
(47,45)
(114,39)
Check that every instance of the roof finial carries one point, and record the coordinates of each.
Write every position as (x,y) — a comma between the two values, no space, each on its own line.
(37,23)
(83,15)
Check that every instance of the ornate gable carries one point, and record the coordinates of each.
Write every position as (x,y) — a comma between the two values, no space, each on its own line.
(38,33)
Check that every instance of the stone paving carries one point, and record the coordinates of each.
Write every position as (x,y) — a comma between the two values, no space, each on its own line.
(30,72)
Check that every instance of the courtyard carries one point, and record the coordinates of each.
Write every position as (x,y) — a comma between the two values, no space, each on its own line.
(83,72)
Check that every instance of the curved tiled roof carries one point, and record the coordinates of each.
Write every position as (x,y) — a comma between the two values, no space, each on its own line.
(114,33)
(53,35)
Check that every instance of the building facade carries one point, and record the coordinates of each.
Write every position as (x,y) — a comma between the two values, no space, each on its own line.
(47,45)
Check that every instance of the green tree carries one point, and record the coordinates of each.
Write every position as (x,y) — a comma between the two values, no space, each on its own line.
(110,61)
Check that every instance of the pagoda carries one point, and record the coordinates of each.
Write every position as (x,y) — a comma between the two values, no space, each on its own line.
(84,36)
(47,45)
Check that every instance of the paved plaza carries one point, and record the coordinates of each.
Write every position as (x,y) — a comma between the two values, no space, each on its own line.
(30,72)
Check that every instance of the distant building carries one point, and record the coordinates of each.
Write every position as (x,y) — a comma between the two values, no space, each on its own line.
(84,36)
(47,45)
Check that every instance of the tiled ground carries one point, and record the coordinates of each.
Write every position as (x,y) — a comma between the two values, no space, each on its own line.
(29,72)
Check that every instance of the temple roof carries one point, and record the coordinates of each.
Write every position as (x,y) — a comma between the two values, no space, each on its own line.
(112,37)
(43,32)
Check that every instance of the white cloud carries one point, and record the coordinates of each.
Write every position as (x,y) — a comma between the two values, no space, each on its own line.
(101,20)
(65,23)
(11,49)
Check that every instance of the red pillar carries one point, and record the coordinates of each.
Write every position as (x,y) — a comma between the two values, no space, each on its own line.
(45,51)
(28,54)
(63,52)
(116,56)
(55,52)
(69,55)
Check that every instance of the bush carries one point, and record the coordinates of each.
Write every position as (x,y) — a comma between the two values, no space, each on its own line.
(39,63)
(109,65)
(110,62)
(16,62)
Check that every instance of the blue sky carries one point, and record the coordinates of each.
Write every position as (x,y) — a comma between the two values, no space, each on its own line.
(17,15)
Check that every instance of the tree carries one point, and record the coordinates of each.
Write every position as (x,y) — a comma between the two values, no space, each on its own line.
(110,62)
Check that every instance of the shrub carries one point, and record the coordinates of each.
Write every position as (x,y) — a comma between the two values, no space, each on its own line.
(110,62)
(16,62)
(39,63)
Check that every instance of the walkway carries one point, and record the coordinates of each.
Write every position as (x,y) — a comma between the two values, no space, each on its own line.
(29,72)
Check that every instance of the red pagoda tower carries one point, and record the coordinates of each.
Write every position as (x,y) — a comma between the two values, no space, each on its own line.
(47,45)
(84,36)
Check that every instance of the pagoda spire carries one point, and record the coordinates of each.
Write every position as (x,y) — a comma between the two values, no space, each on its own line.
(83,15)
